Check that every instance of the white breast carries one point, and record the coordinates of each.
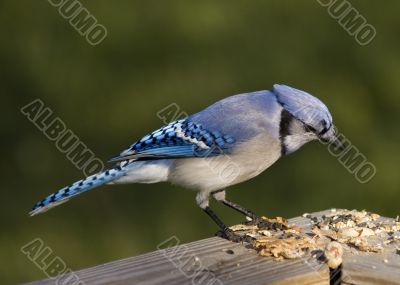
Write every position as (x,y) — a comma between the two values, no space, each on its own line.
(213,173)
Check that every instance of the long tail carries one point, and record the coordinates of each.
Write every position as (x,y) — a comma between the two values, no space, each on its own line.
(66,193)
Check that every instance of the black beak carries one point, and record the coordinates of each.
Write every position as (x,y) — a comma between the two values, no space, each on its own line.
(332,139)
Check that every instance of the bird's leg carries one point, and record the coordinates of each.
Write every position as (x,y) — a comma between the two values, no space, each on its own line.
(255,219)
(202,200)
(225,231)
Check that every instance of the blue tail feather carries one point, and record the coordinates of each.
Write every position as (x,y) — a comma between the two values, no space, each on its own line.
(66,193)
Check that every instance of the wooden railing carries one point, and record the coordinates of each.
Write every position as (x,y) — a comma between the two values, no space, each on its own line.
(215,261)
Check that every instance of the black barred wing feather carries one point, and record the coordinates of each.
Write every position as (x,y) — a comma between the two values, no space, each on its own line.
(178,139)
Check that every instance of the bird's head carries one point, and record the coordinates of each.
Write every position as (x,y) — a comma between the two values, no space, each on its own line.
(304,118)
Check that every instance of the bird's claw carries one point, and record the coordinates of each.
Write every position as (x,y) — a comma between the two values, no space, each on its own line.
(232,236)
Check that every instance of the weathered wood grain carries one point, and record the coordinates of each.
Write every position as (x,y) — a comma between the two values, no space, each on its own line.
(215,261)
(210,261)
(370,269)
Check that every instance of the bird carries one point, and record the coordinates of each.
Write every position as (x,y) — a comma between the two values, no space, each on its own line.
(229,142)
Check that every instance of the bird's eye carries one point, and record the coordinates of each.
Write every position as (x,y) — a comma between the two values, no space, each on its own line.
(325,127)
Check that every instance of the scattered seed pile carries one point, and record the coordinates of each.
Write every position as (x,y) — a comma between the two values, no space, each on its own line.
(329,234)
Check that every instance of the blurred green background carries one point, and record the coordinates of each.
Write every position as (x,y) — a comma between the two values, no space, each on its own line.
(192,53)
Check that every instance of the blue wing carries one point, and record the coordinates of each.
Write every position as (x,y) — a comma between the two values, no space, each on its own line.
(182,138)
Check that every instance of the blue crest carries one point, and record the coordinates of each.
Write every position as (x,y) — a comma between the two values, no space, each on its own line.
(304,107)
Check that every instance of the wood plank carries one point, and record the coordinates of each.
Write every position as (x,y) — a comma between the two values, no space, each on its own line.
(371,268)
(215,261)
(366,268)
(211,261)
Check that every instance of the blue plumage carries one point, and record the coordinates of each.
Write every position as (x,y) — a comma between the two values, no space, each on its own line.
(182,138)
(64,194)
(229,142)
(306,108)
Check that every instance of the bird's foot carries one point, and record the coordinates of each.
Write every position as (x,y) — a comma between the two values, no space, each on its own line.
(232,236)
(268,224)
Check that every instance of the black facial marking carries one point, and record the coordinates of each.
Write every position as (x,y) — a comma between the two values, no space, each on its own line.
(286,120)
(308,128)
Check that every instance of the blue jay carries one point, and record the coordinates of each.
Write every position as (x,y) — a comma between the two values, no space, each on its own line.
(231,141)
